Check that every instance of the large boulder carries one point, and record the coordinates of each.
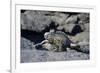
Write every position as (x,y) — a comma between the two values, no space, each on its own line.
(26,44)
(59,18)
(40,20)
(87,27)
(71,20)
(69,27)
(83,18)
(81,37)
(35,21)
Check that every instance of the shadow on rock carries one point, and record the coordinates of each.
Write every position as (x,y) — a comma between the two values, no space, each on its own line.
(32,36)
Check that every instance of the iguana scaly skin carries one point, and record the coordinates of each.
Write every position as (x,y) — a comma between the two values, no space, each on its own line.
(59,41)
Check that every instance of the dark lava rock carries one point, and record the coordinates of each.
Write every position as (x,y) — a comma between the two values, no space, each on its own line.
(43,21)
(29,54)
(26,44)
(34,20)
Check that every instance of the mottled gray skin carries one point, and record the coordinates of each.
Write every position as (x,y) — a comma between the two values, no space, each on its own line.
(58,40)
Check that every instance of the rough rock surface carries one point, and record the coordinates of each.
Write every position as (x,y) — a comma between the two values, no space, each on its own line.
(75,25)
(83,36)
(71,20)
(36,21)
(36,55)
(41,20)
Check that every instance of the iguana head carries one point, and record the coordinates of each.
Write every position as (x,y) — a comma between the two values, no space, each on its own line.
(49,36)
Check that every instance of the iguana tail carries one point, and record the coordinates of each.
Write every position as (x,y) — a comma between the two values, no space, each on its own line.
(80,48)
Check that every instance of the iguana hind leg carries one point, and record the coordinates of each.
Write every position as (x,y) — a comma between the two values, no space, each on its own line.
(79,48)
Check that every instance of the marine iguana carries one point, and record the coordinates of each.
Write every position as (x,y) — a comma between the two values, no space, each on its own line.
(58,41)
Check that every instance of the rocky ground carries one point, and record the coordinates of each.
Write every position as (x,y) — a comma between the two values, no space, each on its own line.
(35,23)
(29,54)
